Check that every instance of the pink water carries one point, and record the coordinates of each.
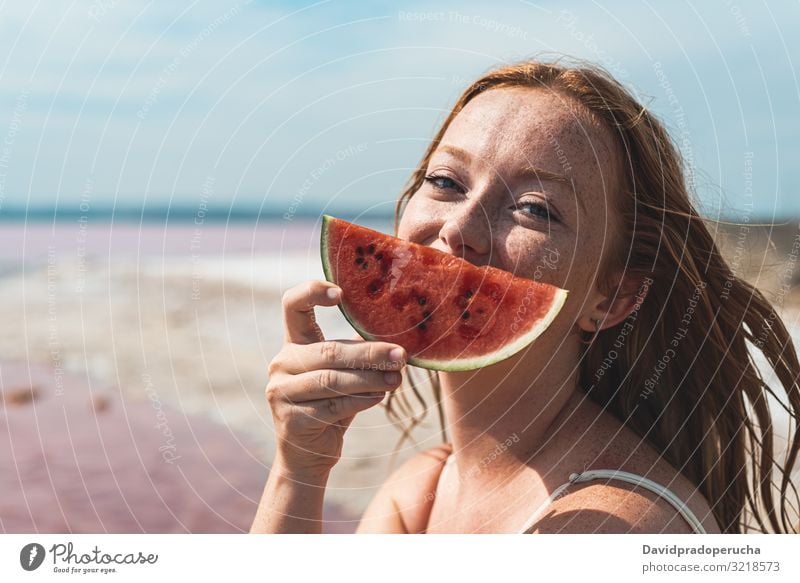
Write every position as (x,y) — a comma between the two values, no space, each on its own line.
(35,242)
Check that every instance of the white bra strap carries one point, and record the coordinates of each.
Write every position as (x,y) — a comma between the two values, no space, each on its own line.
(628,477)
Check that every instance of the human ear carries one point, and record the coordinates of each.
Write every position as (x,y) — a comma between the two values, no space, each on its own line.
(624,298)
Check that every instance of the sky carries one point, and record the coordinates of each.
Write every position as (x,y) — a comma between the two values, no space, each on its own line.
(308,107)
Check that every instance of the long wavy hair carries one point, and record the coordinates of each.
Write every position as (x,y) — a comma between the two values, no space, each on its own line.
(679,371)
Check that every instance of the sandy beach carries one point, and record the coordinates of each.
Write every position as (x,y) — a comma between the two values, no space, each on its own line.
(148,314)
(194,330)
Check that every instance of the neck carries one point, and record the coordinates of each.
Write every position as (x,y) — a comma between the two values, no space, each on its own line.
(501,417)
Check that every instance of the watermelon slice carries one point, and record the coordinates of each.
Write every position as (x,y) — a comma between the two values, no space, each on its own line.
(448,314)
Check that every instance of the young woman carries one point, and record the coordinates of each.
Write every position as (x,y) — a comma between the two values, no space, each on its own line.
(638,410)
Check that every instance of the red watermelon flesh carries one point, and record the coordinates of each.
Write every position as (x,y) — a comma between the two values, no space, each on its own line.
(447,313)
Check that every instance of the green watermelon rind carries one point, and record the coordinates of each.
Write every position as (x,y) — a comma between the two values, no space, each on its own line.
(459,364)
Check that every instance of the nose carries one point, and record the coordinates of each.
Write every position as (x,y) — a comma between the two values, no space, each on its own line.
(467,233)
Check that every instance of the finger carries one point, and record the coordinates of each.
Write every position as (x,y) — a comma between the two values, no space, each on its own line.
(334,411)
(300,322)
(345,423)
(342,354)
(330,383)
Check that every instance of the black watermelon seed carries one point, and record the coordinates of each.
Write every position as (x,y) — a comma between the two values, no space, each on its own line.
(374,287)
(426,314)
(379,256)
(359,260)
(422,326)
(364,265)
(422,301)
(370,248)
(468,293)
(360,250)
(465,315)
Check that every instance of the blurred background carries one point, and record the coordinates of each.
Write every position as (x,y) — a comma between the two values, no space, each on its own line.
(163,169)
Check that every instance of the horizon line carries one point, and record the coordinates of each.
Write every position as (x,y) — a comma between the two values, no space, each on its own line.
(191,213)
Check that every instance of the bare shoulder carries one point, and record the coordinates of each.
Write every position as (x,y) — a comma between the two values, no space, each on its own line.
(417,478)
(615,506)
(611,509)
(404,501)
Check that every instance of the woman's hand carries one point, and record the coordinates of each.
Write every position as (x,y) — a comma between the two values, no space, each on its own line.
(317,386)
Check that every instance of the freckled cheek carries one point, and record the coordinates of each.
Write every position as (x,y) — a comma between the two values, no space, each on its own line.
(556,267)
(577,279)
(556,261)
(535,256)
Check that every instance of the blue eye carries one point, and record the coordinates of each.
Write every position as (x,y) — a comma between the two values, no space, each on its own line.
(443,183)
(538,210)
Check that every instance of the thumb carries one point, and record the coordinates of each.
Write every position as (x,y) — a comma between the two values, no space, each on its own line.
(345,423)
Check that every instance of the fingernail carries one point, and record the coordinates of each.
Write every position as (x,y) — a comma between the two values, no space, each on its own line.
(333,293)
(397,355)
(391,378)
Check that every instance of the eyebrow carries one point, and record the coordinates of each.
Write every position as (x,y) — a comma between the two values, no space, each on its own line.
(538,173)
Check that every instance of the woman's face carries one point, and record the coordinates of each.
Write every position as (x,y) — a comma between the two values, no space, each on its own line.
(524,182)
